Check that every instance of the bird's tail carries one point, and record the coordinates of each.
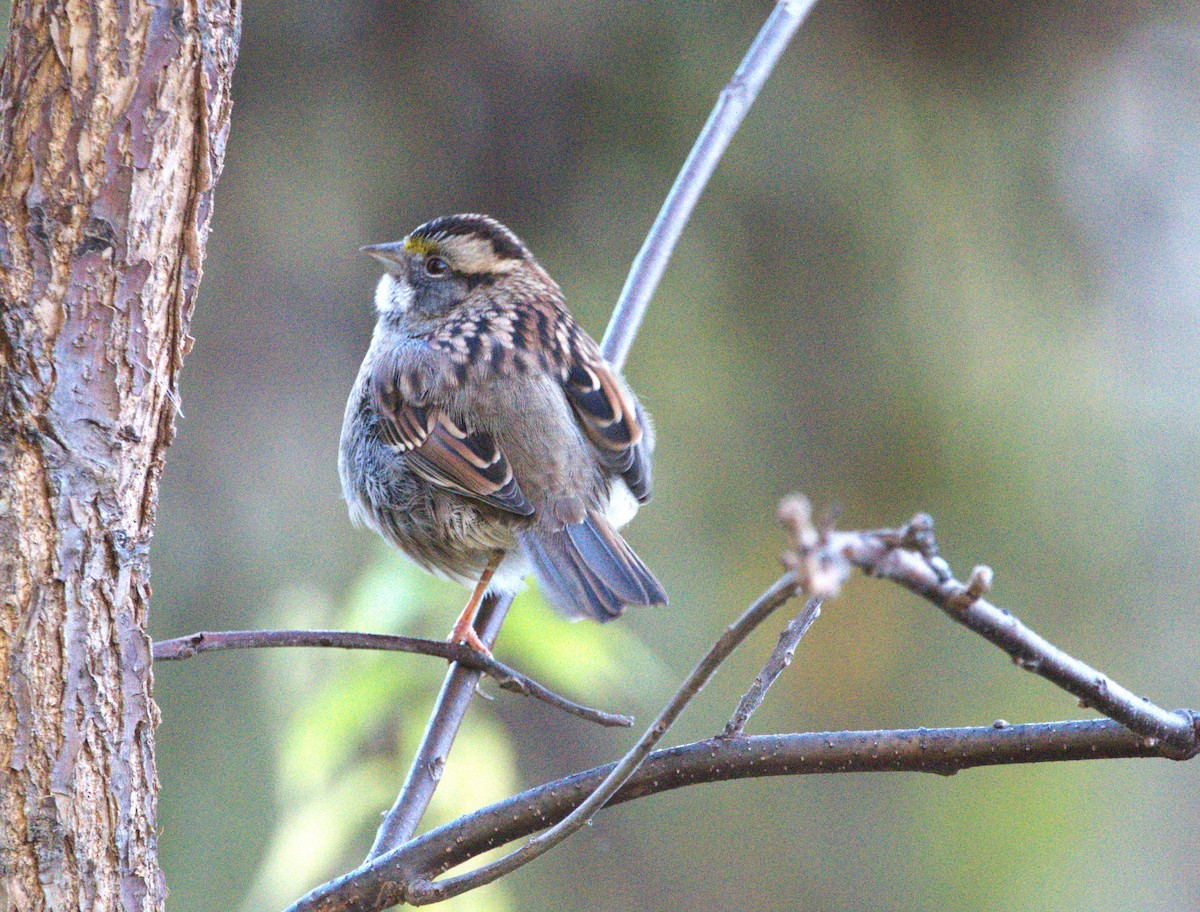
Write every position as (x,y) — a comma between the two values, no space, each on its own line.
(587,569)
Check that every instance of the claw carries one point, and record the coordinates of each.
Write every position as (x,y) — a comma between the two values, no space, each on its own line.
(468,637)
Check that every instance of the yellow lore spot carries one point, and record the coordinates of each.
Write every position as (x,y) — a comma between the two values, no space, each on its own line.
(420,245)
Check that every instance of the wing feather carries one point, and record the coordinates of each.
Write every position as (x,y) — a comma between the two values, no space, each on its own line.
(446,453)
(612,420)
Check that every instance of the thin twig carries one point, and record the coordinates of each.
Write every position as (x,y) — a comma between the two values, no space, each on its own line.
(382,883)
(909,557)
(422,892)
(506,677)
(458,688)
(930,577)
(734,101)
(727,115)
(780,658)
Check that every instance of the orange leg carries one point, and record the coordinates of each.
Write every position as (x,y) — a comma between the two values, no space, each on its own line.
(464,627)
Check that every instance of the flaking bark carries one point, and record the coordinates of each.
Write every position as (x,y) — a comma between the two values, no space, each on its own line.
(113,120)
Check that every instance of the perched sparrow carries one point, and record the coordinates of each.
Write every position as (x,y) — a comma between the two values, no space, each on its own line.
(486,437)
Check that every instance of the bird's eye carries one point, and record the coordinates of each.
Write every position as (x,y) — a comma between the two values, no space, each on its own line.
(436,267)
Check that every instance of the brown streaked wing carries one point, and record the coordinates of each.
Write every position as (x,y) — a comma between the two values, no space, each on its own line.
(402,424)
(611,420)
(448,455)
(469,463)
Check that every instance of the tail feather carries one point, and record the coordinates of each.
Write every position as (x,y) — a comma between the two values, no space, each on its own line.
(587,569)
(559,579)
(609,562)
(597,587)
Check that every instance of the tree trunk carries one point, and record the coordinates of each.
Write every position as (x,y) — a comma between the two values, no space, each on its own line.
(113,120)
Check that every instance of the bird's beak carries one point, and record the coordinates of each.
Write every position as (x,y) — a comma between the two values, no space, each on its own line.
(388,254)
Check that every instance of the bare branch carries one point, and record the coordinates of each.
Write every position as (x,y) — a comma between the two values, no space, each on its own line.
(727,115)
(458,688)
(780,658)
(506,677)
(908,556)
(422,892)
(945,751)
(820,559)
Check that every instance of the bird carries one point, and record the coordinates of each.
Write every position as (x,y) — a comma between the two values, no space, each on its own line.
(486,437)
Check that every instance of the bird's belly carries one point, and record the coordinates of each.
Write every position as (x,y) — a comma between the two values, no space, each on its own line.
(443,532)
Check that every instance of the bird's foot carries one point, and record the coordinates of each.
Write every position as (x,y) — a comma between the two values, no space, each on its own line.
(465,634)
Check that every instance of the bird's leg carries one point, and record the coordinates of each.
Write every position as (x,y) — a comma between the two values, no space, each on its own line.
(464,627)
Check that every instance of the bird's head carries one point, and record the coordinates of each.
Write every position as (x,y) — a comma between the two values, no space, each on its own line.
(444,262)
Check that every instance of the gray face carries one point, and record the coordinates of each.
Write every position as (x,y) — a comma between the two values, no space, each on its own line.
(424,287)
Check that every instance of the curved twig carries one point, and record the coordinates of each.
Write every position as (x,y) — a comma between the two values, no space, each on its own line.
(506,677)
(931,578)
(945,751)
(909,557)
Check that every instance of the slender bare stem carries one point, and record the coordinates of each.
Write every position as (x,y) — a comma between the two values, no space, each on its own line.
(727,115)
(908,556)
(422,892)
(458,688)
(507,678)
(945,751)
(780,658)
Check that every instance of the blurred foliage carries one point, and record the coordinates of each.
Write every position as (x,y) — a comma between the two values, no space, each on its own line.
(950,263)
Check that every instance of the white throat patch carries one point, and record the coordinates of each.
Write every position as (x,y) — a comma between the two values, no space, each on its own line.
(392,295)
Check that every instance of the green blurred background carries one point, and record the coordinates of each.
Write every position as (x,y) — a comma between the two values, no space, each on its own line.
(951,263)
